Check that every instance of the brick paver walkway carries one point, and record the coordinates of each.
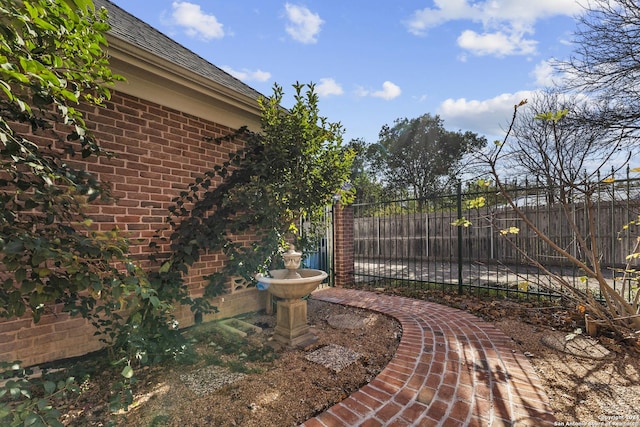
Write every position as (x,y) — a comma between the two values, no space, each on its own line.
(450,369)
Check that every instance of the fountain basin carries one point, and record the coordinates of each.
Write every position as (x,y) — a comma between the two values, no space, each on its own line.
(292,288)
(290,285)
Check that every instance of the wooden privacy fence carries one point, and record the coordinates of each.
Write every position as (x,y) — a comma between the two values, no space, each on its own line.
(431,235)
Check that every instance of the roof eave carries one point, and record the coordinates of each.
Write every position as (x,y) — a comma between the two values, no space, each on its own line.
(166,83)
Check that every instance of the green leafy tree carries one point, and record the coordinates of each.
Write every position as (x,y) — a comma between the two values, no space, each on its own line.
(52,59)
(420,156)
(294,167)
(364,181)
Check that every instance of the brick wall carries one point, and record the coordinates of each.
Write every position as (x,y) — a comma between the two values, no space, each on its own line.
(343,245)
(159,152)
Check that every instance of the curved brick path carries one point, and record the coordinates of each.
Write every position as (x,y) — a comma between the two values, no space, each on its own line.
(450,369)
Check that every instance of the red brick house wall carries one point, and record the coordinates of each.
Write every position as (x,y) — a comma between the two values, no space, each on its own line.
(159,152)
(154,123)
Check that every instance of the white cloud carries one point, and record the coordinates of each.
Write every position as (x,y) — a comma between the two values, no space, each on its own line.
(195,21)
(505,23)
(497,44)
(547,76)
(490,117)
(304,25)
(328,87)
(360,92)
(487,117)
(515,13)
(389,91)
(248,75)
(544,74)
(445,11)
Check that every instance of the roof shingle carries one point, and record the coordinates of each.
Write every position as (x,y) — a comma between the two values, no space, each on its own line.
(132,30)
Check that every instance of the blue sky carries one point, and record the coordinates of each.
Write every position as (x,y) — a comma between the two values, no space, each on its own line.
(375,61)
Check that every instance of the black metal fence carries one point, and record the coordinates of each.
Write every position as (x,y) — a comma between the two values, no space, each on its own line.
(473,240)
(320,257)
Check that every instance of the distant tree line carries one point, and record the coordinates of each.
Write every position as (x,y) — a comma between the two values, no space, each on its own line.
(415,158)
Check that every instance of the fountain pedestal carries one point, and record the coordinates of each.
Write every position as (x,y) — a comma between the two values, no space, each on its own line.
(290,286)
(291,324)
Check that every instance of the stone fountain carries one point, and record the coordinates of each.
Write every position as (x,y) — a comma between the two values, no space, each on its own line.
(290,285)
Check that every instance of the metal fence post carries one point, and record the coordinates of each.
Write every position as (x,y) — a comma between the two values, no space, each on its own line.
(459,206)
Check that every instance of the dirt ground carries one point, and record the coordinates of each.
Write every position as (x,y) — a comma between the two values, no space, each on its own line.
(600,387)
(259,384)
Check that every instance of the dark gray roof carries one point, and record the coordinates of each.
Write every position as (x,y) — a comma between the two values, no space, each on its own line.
(129,28)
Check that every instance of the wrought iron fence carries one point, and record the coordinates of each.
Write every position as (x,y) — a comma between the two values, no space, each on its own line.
(320,237)
(423,243)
